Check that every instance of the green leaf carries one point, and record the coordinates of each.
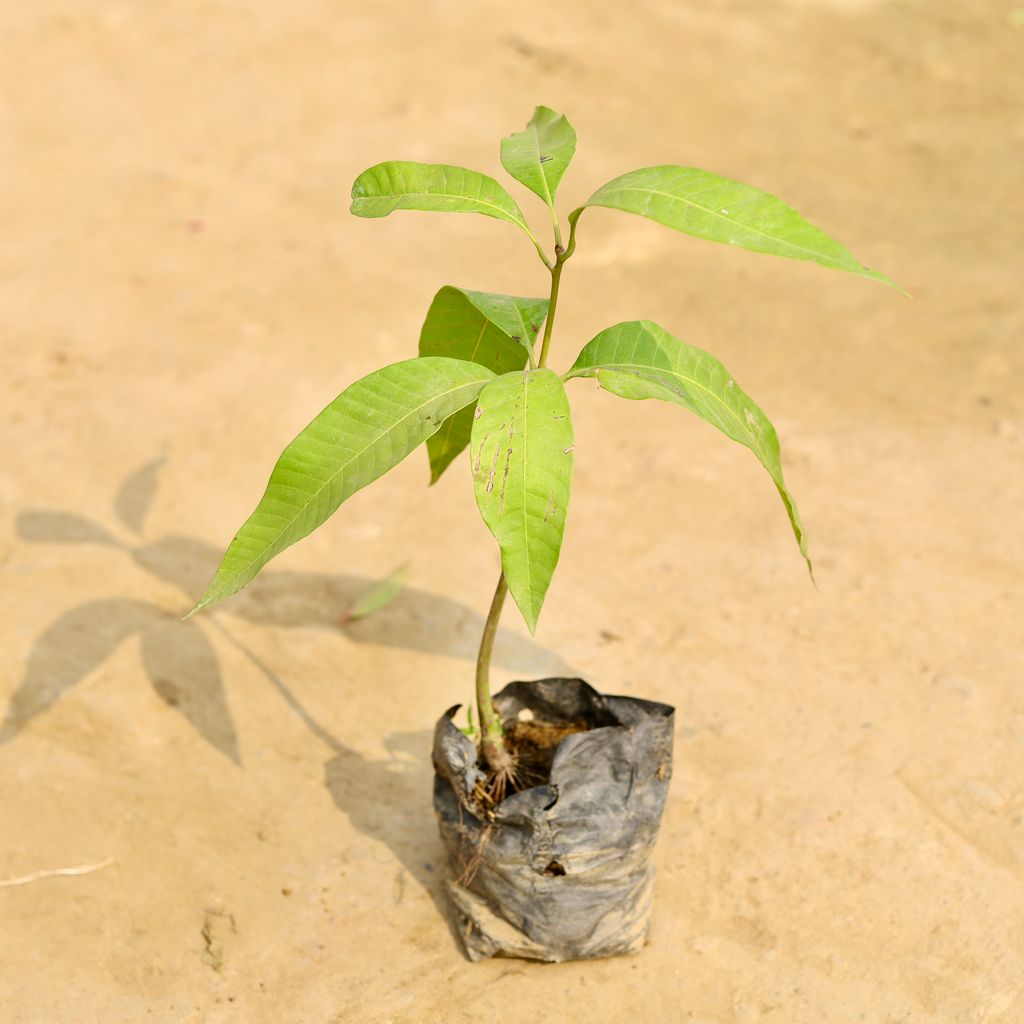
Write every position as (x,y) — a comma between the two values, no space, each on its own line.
(403,185)
(709,206)
(369,428)
(378,596)
(538,156)
(522,454)
(639,359)
(496,331)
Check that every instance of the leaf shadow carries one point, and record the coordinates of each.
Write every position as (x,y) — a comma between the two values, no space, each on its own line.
(180,662)
(49,526)
(137,493)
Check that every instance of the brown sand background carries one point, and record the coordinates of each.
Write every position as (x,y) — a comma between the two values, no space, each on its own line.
(181,281)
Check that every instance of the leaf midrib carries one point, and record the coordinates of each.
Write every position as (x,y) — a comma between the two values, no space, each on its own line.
(505,214)
(531,130)
(816,256)
(341,468)
(526,531)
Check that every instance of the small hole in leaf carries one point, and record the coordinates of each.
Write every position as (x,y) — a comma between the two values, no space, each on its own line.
(554,870)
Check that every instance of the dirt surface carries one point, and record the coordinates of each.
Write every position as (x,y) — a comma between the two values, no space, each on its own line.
(182,288)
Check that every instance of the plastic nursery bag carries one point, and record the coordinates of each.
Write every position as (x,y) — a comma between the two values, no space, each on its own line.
(562,870)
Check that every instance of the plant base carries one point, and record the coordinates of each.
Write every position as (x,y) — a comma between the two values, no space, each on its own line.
(561,870)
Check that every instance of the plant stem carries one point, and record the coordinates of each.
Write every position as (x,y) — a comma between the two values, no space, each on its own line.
(556,277)
(492,734)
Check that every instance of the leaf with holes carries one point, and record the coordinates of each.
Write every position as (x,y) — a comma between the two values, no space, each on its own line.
(538,156)
(369,428)
(522,456)
(639,359)
(709,206)
(496,331)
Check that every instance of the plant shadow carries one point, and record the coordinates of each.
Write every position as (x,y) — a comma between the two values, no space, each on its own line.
(384,799)
(389,801)
(179,658)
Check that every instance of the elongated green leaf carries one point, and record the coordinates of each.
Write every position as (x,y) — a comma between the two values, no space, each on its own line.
(639,359)
(496,331)
(378,596)
(403,185)
(522,453)
(538,156)
(369,428)
(709,206)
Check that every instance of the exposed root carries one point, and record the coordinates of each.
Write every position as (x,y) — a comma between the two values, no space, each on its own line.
(501,782)
(472,865)
(521,760)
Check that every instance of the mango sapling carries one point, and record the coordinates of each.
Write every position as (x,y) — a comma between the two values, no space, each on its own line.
(482,382)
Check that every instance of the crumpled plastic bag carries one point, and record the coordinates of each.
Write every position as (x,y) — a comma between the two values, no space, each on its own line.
(563,871)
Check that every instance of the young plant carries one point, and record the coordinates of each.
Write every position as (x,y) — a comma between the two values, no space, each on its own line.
(482,379)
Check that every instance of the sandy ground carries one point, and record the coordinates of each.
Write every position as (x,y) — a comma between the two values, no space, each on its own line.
(182,288)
